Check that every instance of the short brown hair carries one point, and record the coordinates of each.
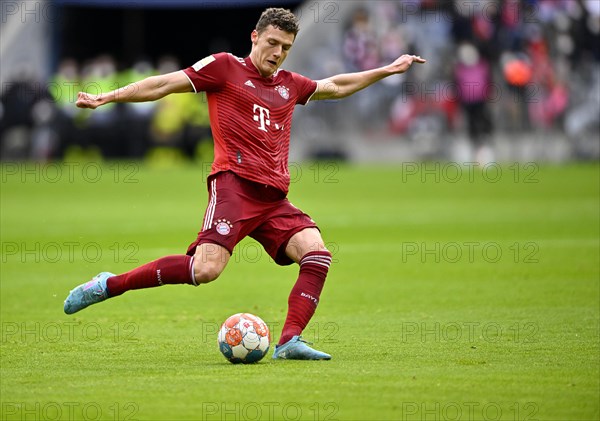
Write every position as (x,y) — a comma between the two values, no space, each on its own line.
(283,19)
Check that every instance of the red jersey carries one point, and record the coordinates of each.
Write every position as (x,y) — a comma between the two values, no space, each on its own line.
(250,116)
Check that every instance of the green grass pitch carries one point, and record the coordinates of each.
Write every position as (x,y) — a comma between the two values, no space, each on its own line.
(457,293)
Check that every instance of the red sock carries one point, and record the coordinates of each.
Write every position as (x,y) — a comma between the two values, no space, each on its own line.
(167,270)
(304,297)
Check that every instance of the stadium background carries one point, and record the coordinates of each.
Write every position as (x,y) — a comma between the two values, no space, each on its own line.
(538,65)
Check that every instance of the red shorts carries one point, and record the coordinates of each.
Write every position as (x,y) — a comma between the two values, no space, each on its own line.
(238,208)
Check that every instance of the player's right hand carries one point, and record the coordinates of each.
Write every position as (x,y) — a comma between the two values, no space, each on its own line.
(85,100)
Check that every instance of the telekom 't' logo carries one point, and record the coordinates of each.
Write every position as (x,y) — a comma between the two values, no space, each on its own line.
(262,117)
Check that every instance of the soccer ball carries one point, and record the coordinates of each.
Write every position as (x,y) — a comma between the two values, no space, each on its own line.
(244,338)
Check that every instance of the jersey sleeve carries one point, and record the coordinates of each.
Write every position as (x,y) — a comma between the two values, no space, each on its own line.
(208,74)
(306,88)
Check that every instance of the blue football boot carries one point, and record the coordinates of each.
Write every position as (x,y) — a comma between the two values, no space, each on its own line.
(91,292)
(298,349)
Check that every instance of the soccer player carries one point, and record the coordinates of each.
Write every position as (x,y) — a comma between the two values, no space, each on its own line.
(251,101)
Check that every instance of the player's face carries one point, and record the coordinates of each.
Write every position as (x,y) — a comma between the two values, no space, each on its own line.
(270,48)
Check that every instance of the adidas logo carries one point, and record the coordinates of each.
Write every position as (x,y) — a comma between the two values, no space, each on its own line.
(250,84)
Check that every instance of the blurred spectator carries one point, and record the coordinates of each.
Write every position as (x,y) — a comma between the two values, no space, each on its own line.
(44,136)
(19,99)
(180,121)
(360,43)
(551,97)
(517,73)
(102,130)
(63,87)
(361,52)
(473,79)
(136,119)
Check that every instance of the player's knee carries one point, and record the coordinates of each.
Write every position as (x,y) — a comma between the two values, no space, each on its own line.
(306,241)
(209,262)
(205,272)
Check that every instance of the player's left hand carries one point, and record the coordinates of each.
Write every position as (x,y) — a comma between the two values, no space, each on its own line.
(403,63)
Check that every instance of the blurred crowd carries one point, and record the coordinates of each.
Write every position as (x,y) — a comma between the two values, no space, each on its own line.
(40,120)
(493,66)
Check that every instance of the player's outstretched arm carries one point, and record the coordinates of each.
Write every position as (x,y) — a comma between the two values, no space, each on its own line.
(343,85)
(149,89)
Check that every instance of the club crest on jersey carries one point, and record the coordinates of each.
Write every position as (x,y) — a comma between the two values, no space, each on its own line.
(283,91)
(223,226)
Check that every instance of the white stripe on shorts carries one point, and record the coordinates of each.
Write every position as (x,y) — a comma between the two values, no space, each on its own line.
(212,204)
